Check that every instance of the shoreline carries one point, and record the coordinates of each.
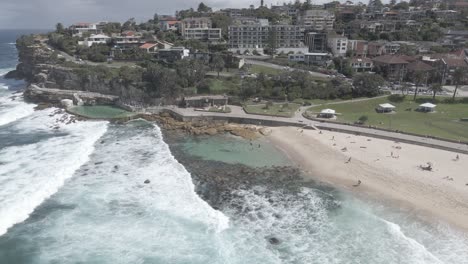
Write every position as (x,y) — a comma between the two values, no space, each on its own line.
(388,171)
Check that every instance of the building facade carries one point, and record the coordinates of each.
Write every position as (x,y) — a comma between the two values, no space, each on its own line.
(338,45)
(258,34)
(199,28)
(317,20)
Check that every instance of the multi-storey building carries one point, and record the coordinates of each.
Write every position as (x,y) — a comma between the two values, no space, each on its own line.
(79,28)
(258,34)
(316,41)
(338,44)
(316,20)
(199,28)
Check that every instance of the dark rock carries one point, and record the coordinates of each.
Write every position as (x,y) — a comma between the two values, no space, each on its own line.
(274,241)
(147,181)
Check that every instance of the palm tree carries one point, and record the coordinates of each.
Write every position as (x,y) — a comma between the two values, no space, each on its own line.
(435,88)
(459,77)
(418,80)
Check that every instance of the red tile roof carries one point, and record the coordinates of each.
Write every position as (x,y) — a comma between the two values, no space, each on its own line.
(147,45)
(419,66)
(390,59)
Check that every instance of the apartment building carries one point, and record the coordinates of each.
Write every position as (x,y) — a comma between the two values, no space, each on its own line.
(258,33)
(316,41)
(338,44)
(199,28)
(316,19)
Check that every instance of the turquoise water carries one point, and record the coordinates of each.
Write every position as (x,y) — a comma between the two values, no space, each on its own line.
(100,112)
(232,149)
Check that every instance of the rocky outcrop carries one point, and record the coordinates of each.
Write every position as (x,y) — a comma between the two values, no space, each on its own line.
(56,96)
(48,68)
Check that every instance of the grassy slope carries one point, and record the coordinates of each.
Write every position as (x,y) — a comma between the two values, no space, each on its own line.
(274,110)
(443,123)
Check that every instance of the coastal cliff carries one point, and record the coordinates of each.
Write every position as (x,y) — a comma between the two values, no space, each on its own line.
(41,66)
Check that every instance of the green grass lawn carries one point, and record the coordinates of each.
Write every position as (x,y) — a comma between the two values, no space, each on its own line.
(274,110)
(222,85)
(100,112)
(257,69)
(444,123)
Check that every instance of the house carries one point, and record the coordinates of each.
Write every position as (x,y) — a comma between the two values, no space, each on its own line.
(392,67)
(296,57)
(419,66)
(79,28)
(173,54)
(154,47)
(362,48)
(455,38)
(362,64)
(446,64)
(95,39)
(319,59)
(168,23)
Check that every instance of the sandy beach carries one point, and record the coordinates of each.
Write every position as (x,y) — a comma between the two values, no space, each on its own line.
(387,170)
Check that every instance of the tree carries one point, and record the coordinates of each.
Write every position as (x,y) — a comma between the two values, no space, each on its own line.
(130,24)
(418,78)
(366,84)
(59,28)
(203,8)
(218,63)
(221,21)
(435,88)
(459,77)
(272,42)
(155,18)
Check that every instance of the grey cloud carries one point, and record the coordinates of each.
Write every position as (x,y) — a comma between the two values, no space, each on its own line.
(46,13)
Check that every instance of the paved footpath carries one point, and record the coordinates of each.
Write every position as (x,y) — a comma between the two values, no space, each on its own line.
(299,120)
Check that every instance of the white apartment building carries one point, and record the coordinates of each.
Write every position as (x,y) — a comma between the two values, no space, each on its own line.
(199,28)
(338,44)
(79,28)
(258,34)
(95,39)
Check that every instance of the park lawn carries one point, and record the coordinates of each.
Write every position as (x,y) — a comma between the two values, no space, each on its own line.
(274,110)
(222,85)
(444,123)
(257,69)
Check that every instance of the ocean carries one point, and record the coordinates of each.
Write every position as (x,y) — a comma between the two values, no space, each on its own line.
(75,192)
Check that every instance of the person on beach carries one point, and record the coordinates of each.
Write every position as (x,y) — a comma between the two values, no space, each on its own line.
(349,160)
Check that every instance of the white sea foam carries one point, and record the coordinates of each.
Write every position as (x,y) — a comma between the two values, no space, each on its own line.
(13,108)
(5,71)
(120,219)
(417,252)
(31,173)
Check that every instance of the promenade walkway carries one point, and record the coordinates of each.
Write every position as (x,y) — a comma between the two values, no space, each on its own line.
(237,114)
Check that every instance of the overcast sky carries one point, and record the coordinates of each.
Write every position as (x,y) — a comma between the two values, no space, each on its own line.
(44,14)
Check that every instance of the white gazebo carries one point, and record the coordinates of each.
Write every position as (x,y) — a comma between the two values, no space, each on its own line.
(327,113)
(427,107)
(385,108)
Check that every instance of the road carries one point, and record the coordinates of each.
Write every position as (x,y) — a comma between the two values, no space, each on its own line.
(280,67)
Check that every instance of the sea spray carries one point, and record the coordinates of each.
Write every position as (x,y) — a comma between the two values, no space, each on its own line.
(33,172)
(13,108)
